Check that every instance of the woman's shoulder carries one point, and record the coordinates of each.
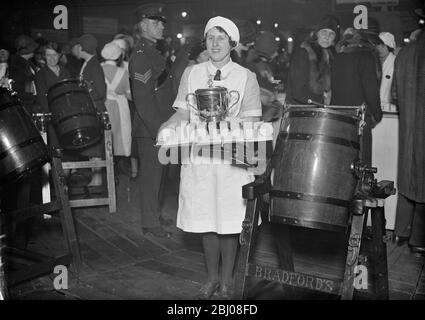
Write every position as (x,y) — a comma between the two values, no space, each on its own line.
(250,74)
(196,66)
(240,68)
(189,69)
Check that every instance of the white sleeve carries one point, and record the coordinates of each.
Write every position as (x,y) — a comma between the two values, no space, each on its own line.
(180,102)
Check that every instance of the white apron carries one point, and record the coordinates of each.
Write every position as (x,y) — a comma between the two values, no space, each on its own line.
(210,198)
(387,79)
(119,116)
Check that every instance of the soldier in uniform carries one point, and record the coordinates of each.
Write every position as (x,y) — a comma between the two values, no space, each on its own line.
(151,88)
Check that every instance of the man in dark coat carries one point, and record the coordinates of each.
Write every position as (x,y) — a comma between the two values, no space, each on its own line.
(410,86)
(92,73)
(153,96)
(265,48)
(355,80)
(22,71)
(71,62)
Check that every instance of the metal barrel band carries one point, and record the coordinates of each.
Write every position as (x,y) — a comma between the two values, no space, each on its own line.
(6,105)
(71,81)
(320,138)
(21,145)
(77,115)
(308,223)
(309,197)
(51,100)
(23,170)
(317,114)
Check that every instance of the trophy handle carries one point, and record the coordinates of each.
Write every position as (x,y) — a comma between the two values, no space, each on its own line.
(237,99)
(189,104)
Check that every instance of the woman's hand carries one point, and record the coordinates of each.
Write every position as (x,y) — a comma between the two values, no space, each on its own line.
(169,125)
(167,129)
(174,121)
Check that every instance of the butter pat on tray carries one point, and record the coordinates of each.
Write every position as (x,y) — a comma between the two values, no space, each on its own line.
(215,133)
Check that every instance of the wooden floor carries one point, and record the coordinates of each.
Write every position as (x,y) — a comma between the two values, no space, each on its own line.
(119,262)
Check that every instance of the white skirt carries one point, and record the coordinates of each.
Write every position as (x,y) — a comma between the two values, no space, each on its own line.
(210,198)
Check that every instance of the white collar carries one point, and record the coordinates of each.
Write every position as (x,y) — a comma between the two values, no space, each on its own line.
(225,70)
(110,62)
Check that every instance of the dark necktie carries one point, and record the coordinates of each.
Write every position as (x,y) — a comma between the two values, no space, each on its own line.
(217,76)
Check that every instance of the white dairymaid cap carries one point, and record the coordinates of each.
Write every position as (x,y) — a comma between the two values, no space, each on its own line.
(227,25)
(120,43)
(111,51)
(388,39)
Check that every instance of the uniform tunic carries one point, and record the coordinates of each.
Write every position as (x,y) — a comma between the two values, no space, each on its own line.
(152,93)
(210,198)
(151,89)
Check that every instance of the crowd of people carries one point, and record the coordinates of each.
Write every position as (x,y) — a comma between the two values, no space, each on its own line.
(144,88)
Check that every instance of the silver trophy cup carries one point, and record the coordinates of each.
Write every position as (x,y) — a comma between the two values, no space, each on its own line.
(212,104)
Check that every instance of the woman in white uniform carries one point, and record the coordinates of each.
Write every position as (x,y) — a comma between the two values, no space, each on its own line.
(118,91)
(386,51)
(210,199)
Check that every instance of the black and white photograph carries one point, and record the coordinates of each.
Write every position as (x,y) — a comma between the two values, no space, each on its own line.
(212,155)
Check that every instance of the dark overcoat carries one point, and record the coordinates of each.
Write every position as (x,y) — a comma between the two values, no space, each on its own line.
(410,86)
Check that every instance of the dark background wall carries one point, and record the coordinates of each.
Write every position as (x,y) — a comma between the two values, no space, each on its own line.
(105,17)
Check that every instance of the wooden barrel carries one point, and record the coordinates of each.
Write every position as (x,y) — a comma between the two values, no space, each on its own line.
(22,149)
(313,182)
(74,115)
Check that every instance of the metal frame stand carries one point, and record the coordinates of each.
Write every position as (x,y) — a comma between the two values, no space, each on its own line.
(39,264)
(107,163)
(254,192)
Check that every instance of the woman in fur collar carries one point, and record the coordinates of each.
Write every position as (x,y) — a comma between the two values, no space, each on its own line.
(309,74)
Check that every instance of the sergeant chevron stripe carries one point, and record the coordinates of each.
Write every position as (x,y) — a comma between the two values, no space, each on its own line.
(143,77)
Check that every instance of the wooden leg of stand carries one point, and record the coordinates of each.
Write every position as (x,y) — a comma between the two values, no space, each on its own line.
(282,235)
(379,253)
(353,251)
(247,243)
(110,177)
(65,213)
